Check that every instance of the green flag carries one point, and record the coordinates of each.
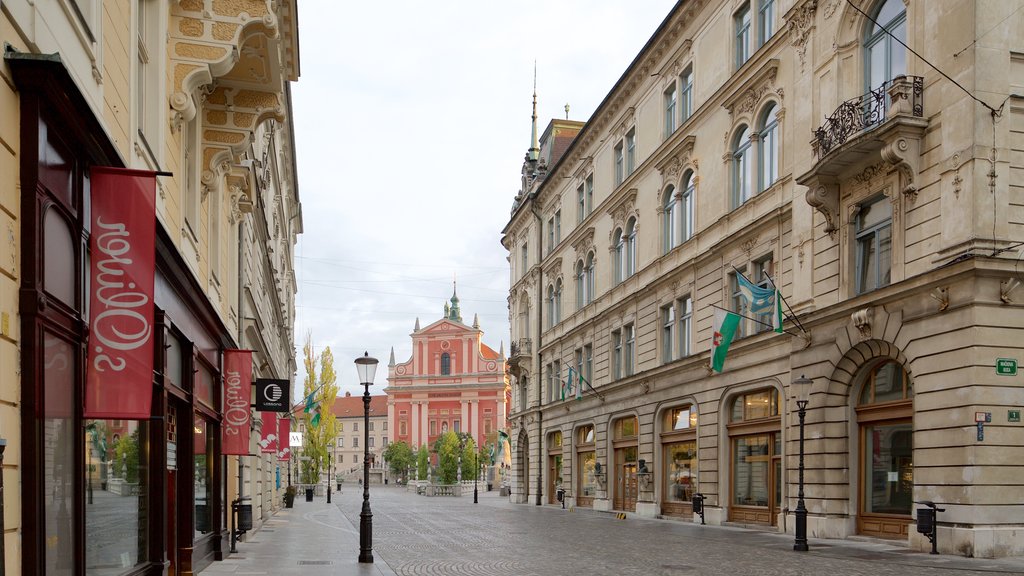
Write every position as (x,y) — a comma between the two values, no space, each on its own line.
(309,402)
(579,387)
(315,420)
(726,323)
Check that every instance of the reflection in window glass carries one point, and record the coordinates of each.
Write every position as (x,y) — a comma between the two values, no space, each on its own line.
(750,470)
(58,461)
(117,489)
(888,468)
(680,470)
(203,457)
(588,481)
(59,259)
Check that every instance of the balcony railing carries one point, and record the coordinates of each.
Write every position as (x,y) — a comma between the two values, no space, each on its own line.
(521,348)
(866,112)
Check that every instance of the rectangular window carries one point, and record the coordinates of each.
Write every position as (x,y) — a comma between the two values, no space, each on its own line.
(557,366)
(456,425)
(558,226)
(581,204)
(355,441)
(371,442)
(686,94)
(384,441)
(685,326)
(628,349)
(590,194)
(588,362)
(371,426)
(487,426)
(551,234)
(616,354)
(630,151)
(341,458)
(618,164)
(355,458)
(525,257)
(341,426)
(739,304)
(670,110)
(762,271)
(403,429)
(668,333)
(742,19)
(341,442)
(385,425)
(874,245)
(578,356)
(766,21)
(433,427)
(355,426)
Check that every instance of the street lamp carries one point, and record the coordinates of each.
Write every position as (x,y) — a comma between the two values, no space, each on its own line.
(330,448)
(366,367)
(802,393)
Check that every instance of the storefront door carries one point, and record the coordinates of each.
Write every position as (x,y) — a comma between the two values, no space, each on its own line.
(625,483)
(554,477)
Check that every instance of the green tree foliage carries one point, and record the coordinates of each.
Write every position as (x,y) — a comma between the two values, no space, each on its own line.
(316,438)
(422,462)
(399,457)
(468,458)
(447,448)
(126,456)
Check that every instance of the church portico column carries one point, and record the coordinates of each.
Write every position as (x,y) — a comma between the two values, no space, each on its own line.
(464,414)
(474,416)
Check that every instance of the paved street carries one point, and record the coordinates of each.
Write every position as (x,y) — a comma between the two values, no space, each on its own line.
(416,535)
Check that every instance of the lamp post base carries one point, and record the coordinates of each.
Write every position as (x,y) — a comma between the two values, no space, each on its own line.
(366,535)
(800,543)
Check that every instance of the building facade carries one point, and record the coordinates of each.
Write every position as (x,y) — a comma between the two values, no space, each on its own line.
(452,381)
(348,451)
(196,91)
(801,145)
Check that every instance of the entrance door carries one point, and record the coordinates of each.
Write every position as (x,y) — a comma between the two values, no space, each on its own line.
(887,479)
(172,488)
(625,483)
(756,480)
(554,477)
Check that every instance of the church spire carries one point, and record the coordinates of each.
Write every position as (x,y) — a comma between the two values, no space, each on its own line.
(454,313)
(534,146)
(391,363)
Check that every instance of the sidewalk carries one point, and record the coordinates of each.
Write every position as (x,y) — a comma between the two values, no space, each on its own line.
(311,538)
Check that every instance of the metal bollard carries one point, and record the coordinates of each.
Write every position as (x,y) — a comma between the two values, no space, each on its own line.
(927,523)
(698,506)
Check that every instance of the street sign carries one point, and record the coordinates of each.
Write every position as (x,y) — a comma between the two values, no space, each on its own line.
(1006,366)
(1013,415)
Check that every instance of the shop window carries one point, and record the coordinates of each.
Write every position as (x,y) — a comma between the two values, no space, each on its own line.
(679,452)
(756,444)
(203,457)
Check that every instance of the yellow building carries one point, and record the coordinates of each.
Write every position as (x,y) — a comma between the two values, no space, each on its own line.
(796,144)
(197,91)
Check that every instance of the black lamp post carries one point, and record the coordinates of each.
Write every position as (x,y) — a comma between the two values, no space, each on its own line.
(476,474)
(330,448)
(802,392)
(366,366)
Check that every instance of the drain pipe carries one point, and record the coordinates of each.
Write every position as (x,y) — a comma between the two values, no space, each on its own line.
(3,551)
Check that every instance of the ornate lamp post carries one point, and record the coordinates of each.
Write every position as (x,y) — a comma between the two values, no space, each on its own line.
(802,393)
(366,366)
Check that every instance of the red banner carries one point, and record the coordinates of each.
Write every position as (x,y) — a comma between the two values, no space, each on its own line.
(284,430)
(122,248)
(237,392)
(268,433)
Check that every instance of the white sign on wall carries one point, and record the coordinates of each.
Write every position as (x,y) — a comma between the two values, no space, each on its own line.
(295,439)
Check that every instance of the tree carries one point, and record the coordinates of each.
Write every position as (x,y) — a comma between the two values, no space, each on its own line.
(321,425)
(422,462)
(468,457)
(447,448)
(399,457)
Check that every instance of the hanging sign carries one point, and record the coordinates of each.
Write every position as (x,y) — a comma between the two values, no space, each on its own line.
(237,390)
(272,395)
(284,427)
(268,433)
(122,250)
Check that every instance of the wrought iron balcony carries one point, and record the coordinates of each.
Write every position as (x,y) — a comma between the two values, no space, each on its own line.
(868,111)
(520,348)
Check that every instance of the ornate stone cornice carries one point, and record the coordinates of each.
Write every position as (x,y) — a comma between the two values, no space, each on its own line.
(551,267)
(675,159)
(584,243)
(625,206)
(625,121)
(750,92)
(800,22)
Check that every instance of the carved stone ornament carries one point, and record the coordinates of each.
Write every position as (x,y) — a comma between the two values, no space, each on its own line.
(676,160)
(750,93)
(904,154)
(824,196)
(800,22)
(862,322)
(626,206)
(584,243)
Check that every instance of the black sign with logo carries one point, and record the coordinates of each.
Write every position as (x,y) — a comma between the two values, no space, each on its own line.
(272,395)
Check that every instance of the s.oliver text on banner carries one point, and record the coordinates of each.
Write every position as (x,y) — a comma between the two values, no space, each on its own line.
(237,390)
(122,249)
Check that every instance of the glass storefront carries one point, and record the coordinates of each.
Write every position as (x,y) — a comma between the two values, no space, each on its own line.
(756,457)
(888,468)
(680,471)
(202,474)
(588,482)
(59,461)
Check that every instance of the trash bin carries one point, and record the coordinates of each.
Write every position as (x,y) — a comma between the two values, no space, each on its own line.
(560,494)
(309,494)
(244,517)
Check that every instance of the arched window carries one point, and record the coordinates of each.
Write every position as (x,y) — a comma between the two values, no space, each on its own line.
(558,301)
(756,445)
(768,148)
(551,305)
(885,414)
(884,57)
(669,217)
(742,168)
(446,364)
(581,284)
(630,247)
(590,277)
(687,206)
(619,244)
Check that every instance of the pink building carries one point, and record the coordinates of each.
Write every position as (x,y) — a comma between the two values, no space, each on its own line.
(453,381)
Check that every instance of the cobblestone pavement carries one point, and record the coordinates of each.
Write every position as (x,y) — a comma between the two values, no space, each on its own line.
(416,535)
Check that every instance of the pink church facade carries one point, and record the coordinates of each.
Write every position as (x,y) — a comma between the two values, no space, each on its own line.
(452,381)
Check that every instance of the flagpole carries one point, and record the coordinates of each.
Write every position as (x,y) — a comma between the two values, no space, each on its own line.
(788,307)
(753,319)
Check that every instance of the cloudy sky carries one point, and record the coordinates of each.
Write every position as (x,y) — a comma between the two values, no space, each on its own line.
(411,120)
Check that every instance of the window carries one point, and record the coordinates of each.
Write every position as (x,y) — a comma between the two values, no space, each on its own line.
(669,219)
(371,442)
(385,425)
(588,362)
(686,94)
(433,427)
(763,272)
(874,244)
(341,426)
(590,193)
(619,245)
(629,335)
(618,164)
(341,458)
(457,426)
(685,311)
(341,442)
(551,305)
(687,206)
(581,203)
(743,31)
(558,226)
(371,426)
(403,429)
(554,370)
(355,458)
(616,354)
(355,441)
(739,304)
(551,234)
(885,58)
(190,176)
(525,257)
(446,364)
(579,356)
(147,84)
(558,301)
(768,147)
(630,248)
(765,21)
(668,333)
(670,110)
(355,426)
(581,284)
(589,291)
(630,151)
(742,168)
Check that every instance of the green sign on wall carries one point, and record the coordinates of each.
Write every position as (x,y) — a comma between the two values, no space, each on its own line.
(1006,366)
